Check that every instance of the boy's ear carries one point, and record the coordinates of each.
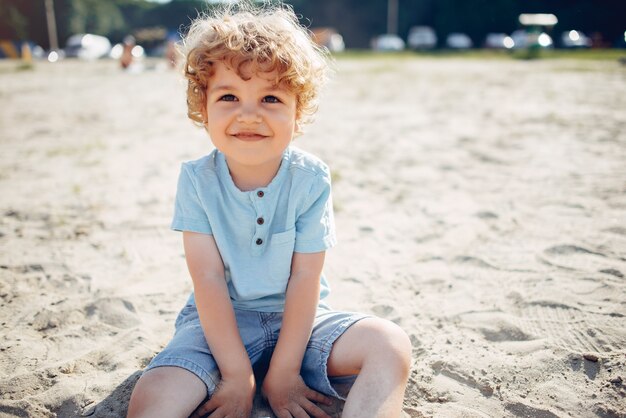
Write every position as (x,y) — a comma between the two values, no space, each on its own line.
(205,116)
(296,130)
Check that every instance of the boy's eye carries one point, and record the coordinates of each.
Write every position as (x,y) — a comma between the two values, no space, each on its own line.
(228,98)
(271,99)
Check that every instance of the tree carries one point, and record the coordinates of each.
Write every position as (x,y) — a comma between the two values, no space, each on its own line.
(95,16)
(13,20)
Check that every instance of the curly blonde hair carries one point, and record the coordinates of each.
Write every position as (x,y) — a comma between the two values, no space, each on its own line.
(250,40)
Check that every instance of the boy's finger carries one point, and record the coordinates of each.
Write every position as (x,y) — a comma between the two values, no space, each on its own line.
(318,397)
(219,413)
(209,406)
(314,410)
(297,411)
(283,414)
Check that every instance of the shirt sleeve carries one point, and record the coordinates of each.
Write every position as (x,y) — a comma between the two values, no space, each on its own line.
(315,227)
(189,214)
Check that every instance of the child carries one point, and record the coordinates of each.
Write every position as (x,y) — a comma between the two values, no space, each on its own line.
(256,215)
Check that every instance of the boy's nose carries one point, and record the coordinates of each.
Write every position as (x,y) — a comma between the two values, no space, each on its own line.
(249,114)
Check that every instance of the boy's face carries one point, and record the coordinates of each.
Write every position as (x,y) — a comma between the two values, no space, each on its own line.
(251,122)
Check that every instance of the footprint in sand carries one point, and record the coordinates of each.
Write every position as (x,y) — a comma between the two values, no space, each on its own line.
(569,250)
(613,272)
(572,329)
(473,262)
(116,312)
(505,332)
(486,215)
(495,326)
(574,257)
(521,410)
(454,372)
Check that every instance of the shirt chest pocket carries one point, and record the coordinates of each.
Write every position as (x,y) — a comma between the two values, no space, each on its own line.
(280,252)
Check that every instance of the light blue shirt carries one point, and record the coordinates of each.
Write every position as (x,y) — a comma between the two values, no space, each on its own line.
(258,231)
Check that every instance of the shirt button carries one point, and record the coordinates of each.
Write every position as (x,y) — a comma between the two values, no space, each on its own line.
(259,241)
(260,193)
(260,221)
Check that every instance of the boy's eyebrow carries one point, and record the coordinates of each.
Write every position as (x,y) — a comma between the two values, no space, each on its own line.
(274,89)
(220,88)
(226,87)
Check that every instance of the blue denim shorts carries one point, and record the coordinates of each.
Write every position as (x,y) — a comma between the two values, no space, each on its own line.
(259,331)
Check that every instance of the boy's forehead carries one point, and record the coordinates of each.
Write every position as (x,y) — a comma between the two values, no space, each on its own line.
(245,72)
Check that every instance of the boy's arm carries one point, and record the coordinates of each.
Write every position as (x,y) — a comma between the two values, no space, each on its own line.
(283,384)
(217,318)
(302,298)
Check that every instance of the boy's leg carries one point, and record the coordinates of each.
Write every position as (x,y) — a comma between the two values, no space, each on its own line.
(380,353)
(178,379)
(166,392)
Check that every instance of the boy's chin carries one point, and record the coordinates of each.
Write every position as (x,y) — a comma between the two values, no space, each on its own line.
(255,160)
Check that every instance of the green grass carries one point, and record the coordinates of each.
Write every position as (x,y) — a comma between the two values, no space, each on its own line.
(578,54)
(589,54)
(14,66)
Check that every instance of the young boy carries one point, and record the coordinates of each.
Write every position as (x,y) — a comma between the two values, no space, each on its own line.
(256,215)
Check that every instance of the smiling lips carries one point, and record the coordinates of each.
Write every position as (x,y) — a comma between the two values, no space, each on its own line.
(249,136)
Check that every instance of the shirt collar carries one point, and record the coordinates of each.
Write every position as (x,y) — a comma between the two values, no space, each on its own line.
(227,180)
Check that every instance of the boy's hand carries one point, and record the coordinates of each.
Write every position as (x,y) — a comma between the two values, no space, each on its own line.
(233,398)
(289,396)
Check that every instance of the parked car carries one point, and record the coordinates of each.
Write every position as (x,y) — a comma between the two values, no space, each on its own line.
(544,40)
(575,39)
(459,41)
(388,42)
(520,39)
(55,55)
(525,39)
(422,37)
(87,46)
(499,41)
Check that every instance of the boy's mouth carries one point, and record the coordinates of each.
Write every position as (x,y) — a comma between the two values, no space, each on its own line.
(249,136)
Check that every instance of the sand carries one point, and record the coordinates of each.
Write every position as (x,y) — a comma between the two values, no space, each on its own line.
(481,205)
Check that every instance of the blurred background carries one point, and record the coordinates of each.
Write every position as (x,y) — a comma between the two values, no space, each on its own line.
(480,203)
(39,27)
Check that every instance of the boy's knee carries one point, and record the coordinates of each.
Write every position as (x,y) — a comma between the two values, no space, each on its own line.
(400,345)
(393,345)
(149,382)
(166,392)
(144,393)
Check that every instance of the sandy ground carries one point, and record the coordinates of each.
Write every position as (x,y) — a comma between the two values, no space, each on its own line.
(481,205)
